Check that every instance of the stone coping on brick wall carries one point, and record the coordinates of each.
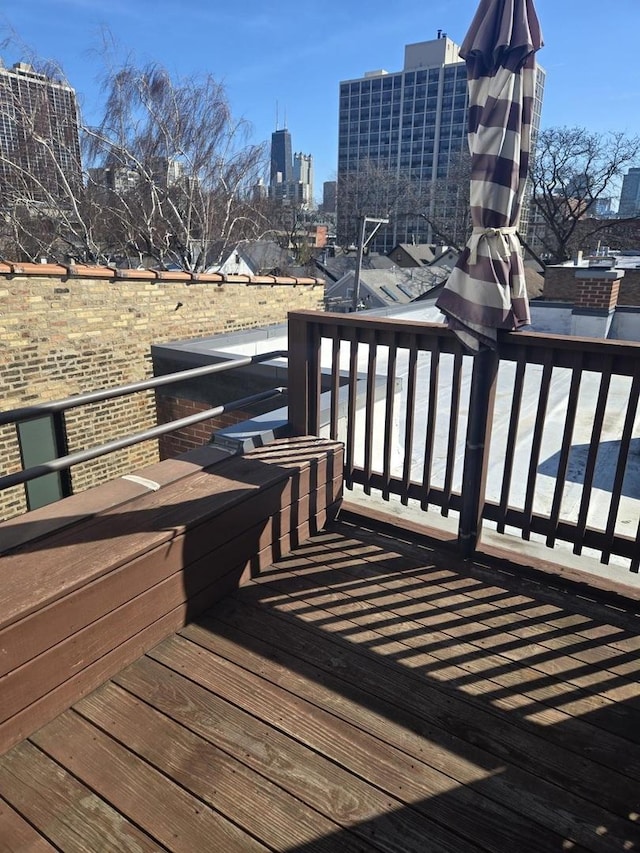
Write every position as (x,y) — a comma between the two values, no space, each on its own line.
(9,269)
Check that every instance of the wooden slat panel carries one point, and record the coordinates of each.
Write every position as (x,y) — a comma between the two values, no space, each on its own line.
(67,813)
(78,557)
(242,635)
(24,639)
(512,739)
(376,761)
(157,804)
(17,835)
(62,661)
(370,811)
(260,807)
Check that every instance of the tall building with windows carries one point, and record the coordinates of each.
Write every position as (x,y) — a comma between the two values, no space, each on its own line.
(39,141)
(291,179)
(630,194)
(412,125)
(281,158)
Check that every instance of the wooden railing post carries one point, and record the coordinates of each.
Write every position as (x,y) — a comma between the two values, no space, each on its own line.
(476,457)
(303,373)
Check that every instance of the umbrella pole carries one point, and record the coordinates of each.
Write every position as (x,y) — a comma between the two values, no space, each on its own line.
(476,460)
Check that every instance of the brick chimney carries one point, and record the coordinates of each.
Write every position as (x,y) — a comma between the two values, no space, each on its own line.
(596,298)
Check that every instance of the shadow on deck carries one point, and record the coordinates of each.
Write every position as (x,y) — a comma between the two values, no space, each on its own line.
(360,694)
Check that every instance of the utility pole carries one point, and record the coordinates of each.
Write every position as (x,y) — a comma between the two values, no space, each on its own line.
(362,243)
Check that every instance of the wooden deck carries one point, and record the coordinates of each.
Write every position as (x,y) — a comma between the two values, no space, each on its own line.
(361,695)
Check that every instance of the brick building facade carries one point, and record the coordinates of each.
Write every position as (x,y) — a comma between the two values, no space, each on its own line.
(560,285)
(70,330)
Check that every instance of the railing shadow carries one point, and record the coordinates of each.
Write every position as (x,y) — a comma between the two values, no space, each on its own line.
(510,690)
(605,467)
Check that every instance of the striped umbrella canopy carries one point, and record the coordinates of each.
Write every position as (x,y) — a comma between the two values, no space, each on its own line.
(486,289)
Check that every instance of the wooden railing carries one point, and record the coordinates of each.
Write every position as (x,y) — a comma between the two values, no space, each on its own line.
(541,439)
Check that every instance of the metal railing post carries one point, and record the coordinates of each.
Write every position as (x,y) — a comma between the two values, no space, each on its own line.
(477,445)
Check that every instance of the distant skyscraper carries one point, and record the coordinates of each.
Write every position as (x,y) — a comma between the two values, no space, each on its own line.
(329,189)
(281,159)
(630,194)
(291,177)
(39,143)
(411,124)
(303,175)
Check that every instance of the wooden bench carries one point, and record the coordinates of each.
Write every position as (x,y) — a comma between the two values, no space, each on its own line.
(86,600)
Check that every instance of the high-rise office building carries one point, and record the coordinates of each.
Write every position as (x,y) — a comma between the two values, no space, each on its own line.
(281,159)
(630,194)
(291,177)
(329,196)
(303,176)
(39,141)
(410,124)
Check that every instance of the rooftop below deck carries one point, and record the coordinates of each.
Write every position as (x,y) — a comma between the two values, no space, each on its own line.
(363,693)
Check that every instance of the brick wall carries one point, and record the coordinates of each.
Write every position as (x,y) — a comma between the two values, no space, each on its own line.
(66,331)
(560,285)
(179,441)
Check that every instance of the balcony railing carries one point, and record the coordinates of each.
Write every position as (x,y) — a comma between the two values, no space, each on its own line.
(540,439)
(56,411)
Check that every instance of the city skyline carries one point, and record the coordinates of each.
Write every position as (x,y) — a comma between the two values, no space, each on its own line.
(292,63)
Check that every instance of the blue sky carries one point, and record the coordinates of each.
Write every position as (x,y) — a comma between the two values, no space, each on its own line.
(294,54)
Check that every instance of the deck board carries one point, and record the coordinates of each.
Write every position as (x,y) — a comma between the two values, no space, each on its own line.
(361,695)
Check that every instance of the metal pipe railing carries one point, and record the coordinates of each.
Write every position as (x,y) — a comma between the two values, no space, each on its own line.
(64,462)
(40,409)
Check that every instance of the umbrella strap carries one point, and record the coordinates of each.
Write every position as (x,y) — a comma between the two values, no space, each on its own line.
(499,234)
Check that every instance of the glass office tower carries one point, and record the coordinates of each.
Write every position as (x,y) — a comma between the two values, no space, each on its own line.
(410,124)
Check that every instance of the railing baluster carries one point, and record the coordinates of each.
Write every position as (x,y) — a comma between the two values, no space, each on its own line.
(623,454)
(409,420)
(454,416)
(351,409)
(432,413)
(543,399)
(565,450)
(388,416)
(514,419)
(335,385)
(369,426)
(594,445)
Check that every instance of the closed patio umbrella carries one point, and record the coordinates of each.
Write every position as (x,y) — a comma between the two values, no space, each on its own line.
(486,289)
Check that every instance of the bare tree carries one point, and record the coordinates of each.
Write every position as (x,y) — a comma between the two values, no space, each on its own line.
(444,203)
(192,166)
(41,186)
(435,210)
(572,169)
(168,171)
(373,190)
